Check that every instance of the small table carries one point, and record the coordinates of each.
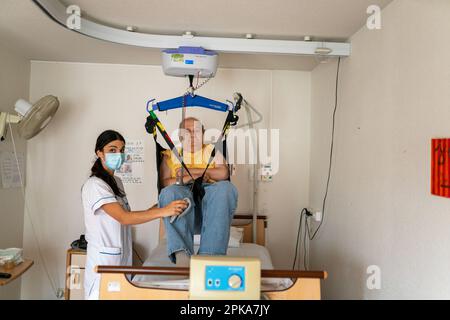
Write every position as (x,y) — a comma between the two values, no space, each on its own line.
(15,272)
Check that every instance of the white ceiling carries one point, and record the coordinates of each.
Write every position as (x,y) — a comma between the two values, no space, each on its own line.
(26,29)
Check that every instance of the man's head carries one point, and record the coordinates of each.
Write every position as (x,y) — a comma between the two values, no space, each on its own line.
(191,133)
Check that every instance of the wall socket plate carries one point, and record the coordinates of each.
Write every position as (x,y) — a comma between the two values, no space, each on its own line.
(266,172)
(317,215)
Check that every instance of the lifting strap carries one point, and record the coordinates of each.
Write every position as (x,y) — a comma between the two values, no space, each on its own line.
(153,124)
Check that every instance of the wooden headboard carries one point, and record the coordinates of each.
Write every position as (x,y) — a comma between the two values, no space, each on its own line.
(241,221)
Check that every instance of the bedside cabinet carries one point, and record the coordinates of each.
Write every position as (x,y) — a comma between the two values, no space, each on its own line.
(75,265)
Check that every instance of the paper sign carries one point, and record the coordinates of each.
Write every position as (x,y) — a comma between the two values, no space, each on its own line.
(9,170)
(132,171)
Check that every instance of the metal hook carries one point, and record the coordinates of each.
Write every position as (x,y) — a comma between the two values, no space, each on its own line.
(150,101)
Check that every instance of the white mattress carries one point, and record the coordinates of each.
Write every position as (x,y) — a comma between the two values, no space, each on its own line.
(159,258)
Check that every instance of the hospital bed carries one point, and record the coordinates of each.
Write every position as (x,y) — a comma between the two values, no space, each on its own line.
(157,279)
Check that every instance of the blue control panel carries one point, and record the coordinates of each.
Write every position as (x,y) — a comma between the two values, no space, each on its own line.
(225,278)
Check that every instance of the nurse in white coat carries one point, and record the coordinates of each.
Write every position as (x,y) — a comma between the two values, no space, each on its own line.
(107,215)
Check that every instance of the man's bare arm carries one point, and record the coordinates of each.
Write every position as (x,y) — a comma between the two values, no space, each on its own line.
(166,176)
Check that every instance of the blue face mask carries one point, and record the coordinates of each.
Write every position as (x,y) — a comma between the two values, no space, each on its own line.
(114,160)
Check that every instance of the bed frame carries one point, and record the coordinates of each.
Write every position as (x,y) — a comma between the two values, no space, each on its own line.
(115,285)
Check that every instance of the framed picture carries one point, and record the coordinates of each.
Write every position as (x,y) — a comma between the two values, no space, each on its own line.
(440,167)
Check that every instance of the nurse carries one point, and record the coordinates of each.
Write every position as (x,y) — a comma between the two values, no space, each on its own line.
(107,215)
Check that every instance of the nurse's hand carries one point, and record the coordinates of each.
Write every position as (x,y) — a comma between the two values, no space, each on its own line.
(124,217)
(174,208)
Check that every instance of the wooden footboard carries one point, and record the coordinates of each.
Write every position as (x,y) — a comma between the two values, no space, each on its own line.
(115,286)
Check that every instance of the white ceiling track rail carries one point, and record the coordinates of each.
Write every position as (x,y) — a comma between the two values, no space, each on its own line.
(58,12)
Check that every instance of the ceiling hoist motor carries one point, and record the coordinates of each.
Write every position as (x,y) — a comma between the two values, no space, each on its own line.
(190,62)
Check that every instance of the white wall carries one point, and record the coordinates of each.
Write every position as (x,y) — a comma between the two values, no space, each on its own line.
(394,98)
(95,97)
(14,84)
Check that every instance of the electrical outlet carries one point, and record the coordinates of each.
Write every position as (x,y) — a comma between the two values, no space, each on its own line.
(266,173)
(317,215)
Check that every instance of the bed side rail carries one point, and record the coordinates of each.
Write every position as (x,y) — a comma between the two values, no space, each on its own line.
(175,271)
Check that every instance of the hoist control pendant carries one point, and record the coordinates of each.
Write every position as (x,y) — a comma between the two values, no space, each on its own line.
(194,61)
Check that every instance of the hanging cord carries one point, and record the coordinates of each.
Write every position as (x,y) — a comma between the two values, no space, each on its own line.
(304,210)
(305,250)
(305,214)
(41,257)
(331,150)
(298,237)
(309,235)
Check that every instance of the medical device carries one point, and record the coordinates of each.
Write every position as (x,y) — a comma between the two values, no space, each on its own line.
(31,119)
(194,61)
(152,124)
(224,277)
(190,99)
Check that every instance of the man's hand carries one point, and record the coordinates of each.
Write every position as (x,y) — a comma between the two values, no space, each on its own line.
(206,177)
(196,172)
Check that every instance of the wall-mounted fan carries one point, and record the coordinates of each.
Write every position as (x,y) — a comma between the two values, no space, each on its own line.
(31,119)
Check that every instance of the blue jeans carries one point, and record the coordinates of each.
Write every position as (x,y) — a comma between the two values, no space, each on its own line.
(212,220)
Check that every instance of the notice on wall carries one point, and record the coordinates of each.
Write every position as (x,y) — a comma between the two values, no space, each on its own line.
(132,171)
(9,170)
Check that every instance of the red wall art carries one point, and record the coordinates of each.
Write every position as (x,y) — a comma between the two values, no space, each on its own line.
(440,167)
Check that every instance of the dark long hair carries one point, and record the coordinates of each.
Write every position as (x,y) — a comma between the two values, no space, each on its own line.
(97,169)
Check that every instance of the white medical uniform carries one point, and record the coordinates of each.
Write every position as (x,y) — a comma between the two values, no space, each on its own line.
(109,242)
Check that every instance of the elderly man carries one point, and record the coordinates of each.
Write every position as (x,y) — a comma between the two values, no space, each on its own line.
(212,217)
